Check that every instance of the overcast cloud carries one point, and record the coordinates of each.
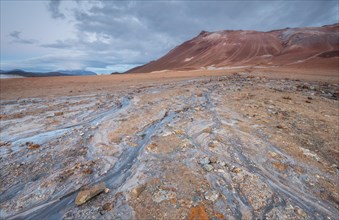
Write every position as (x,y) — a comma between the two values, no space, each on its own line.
(107,36)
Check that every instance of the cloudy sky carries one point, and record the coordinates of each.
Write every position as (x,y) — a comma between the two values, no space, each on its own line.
(106,36)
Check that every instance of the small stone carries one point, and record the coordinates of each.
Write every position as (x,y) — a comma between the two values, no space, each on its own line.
(163,195)
(280,126)
(213,144)
(204,160)
(58,113)
(87,194)
(236,170)
(33,146)
(106,190)
(211,195)
(178,132)
(208,167)
(138,190)
(287,97)
(213,160)
(222,163)
(107,206)
(87,171)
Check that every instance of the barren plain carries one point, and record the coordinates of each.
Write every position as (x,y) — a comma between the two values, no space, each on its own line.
(224,144)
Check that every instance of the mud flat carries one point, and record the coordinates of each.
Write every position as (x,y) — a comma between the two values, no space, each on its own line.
(239,146)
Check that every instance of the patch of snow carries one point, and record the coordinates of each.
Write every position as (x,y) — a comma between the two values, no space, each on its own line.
(188,59)
(213,36)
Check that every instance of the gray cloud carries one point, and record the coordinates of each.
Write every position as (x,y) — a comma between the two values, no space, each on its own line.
(148,29)
(59,44)
(53,7)
(16,38)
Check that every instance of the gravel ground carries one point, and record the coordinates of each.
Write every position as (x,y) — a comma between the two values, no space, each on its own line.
(240,146)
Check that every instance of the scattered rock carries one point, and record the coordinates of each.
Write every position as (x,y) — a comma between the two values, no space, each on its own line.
(138,190)
(287,97)
(204,160)
(108,206)
(213,160)
(213,144)
(208,167)
(58,113)
(87,171)
(33,146)
(236,170)
(211,195)
(87,194)
(163,195)
(221,163)
(280,166)
(178,132)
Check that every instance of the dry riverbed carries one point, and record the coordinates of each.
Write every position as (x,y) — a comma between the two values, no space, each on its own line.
(227,147)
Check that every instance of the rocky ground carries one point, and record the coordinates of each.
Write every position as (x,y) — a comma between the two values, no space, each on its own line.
(228,147)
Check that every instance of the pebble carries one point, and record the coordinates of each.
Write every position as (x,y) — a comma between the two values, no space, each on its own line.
(85,195)
(236,170)
(208,167)
(107,206)
(204,160)
(212,195)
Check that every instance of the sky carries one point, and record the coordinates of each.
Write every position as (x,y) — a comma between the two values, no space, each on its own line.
(109,36)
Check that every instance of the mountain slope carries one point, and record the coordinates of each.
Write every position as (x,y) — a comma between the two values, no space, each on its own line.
(250,48)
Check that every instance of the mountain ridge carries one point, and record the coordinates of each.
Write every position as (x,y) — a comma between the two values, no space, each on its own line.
(229,48)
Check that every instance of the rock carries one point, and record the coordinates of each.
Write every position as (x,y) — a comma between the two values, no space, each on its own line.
(222,163)
(33,146)
(87,194)
(107,206)
(58,113)
(204,160)
(211,195)
(213,160)
(178,132)
(138,190)
(106,190)
(87,171)
(196,199)
(213,144)
(163,195)
(236,170)
(208,167)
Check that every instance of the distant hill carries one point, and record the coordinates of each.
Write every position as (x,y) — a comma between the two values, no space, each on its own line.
(77,72)
(23,73)
(230,48)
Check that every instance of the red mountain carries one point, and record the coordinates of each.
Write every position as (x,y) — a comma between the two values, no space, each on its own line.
(223,49)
